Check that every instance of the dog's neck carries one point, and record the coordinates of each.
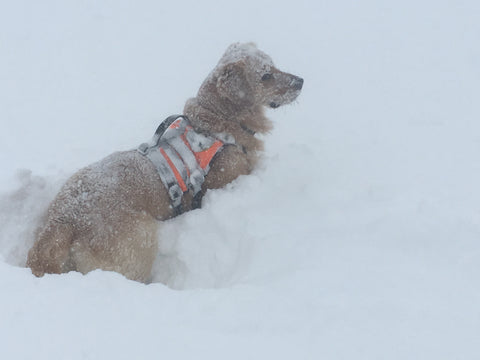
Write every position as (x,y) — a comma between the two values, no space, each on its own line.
(249,115)
(209,112)
(211,120)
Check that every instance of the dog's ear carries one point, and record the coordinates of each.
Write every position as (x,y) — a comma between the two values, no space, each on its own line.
(233,84)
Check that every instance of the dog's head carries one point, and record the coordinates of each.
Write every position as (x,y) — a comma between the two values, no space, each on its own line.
(247,77)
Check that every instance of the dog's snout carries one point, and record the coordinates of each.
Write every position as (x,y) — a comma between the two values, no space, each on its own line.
(297,83)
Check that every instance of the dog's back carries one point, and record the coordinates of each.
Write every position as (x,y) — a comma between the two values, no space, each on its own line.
(102,218)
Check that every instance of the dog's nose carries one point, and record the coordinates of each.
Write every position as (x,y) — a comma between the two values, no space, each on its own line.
(297,83)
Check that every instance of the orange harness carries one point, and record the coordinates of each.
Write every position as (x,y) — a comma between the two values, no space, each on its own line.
(182,156)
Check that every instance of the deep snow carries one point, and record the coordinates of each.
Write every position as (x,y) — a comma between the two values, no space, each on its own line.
(357,238)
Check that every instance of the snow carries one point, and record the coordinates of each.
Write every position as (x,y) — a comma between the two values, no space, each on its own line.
(240,51)
(357,237)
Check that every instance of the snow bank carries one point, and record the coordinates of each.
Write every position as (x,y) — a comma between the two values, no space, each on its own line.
(356,238)
(21,211)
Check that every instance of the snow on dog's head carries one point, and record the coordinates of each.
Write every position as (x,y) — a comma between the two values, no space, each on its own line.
(246,77)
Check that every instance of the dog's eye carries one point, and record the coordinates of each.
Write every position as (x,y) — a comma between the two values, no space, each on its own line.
(267,77)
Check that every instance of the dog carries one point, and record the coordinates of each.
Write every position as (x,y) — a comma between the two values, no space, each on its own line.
(107,214)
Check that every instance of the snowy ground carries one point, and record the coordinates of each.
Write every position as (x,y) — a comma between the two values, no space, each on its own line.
(358,238)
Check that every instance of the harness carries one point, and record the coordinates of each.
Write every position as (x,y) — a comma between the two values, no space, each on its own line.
(182,157)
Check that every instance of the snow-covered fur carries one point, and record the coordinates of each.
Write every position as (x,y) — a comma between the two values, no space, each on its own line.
(106,216)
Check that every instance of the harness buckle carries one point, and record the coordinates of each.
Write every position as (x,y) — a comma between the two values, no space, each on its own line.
(175,194)
(143,148)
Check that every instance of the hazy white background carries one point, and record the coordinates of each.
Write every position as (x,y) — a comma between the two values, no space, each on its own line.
(358,237)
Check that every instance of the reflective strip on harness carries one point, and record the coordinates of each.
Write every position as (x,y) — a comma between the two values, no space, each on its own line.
(181,156)
(174,167)
(182,148)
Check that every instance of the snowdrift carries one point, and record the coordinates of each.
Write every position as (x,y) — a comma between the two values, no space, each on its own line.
(356,238)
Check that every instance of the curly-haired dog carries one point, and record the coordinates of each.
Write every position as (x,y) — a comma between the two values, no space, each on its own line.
(106,215)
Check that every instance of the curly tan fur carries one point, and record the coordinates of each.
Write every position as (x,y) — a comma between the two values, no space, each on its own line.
(106,216)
